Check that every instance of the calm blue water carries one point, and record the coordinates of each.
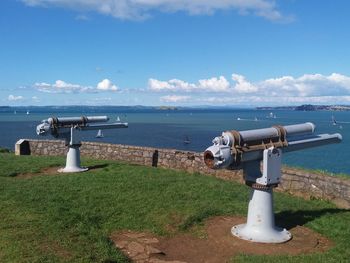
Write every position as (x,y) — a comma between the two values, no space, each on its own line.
(167,129)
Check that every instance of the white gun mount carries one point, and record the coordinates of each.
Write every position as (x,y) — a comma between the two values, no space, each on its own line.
(68,128)
(245,150)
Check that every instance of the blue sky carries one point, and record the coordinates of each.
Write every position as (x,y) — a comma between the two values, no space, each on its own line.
(157,52)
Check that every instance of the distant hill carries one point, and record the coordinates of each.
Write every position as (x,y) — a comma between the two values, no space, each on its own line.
(83,109)
(309,107)
(167,108)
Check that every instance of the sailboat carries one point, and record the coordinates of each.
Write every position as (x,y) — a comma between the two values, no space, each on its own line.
(27,112)
(271,116)
(99,134)
(334,122)
(118,119)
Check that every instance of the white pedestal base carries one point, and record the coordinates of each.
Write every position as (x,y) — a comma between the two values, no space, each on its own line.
(274,235)
(72,170)
(260,226)
(73,161)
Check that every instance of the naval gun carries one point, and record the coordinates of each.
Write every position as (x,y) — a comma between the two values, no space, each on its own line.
(245,150)
(68,128)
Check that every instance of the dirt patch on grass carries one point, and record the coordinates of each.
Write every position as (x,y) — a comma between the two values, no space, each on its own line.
(54,171)
(44,171)
(218,246)
(56,249)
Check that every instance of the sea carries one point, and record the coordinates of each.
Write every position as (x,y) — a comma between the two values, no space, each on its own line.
(191,129)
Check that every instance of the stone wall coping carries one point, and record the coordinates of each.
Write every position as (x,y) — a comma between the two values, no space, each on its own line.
(135,147)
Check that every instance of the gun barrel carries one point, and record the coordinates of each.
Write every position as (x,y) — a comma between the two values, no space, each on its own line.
(267,133)
(105,126)
(83,120)
(303,143)
(310,142)
(59,127)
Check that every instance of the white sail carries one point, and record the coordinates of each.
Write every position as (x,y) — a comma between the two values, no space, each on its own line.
(334,122)
(99,134)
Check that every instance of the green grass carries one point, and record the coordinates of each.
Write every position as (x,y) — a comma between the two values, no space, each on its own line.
(12,165)
(68,218)
(4,150)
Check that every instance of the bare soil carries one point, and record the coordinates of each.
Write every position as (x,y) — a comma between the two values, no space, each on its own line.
(56,249)
(45,171)
(218,246)
(54,171)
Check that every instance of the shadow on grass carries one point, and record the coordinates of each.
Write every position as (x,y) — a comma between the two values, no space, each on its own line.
(98,166)
(199,217)
(290,219)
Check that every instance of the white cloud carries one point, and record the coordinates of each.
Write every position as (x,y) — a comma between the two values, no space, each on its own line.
(207,85)
(15,98)
(242,85)
(61,86)
(35,99)
(308,85)
(174,98)
(106,85)
(259,100)
(171,85)
(214,84)
(141,9)
(308,88)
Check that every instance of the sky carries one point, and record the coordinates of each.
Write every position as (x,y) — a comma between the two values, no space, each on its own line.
(174,52)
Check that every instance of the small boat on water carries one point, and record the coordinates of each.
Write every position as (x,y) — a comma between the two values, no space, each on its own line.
(254,119)
(99,134)
(118,119)
(334,122)
(187,140)
(27,112)
(271,116)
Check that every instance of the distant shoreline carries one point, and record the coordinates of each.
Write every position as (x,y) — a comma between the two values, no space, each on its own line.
(309,107)
(305,107)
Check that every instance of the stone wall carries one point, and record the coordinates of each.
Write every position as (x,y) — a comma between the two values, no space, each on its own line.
(294,181)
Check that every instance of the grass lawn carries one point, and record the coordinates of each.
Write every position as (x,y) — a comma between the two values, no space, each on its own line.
(68,218)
